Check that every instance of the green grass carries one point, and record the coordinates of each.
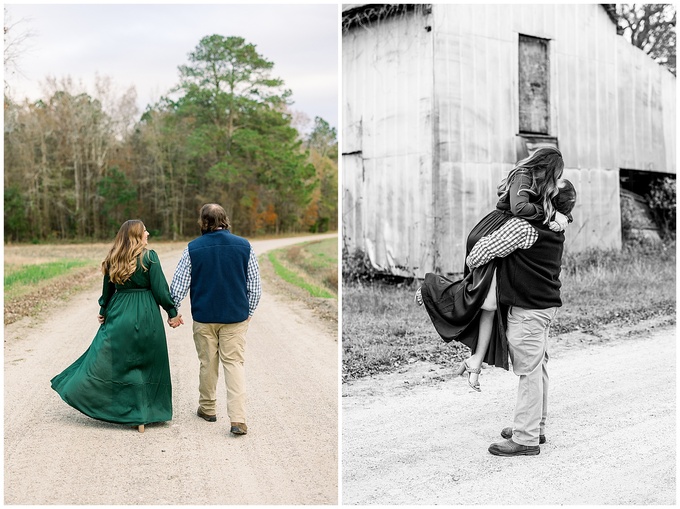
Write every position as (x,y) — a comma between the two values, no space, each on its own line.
(295,278)
(315,257)
(312,266)
(383,329)
(30,275)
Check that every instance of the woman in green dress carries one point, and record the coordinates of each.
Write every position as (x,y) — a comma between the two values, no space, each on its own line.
(124,376)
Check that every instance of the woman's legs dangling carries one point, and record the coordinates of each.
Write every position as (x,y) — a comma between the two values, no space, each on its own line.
(483,340)
(486,319)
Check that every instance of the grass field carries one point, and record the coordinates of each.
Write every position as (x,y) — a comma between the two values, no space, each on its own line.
(312,266)
(34,271)
(31,275)
(35,275)
(383,329)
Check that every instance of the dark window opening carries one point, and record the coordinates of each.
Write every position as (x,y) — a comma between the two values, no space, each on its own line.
(638,181)
(640,217)
(534,85)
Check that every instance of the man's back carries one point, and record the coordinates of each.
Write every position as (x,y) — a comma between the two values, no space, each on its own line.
(529,278)
(219,265)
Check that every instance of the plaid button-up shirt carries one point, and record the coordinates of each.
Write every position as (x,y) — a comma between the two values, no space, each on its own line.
(181,281)
(515,234)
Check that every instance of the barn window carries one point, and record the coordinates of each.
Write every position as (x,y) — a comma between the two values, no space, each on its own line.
(534,85)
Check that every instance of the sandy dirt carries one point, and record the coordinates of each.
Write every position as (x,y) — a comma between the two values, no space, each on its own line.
(420,436)
(55,455)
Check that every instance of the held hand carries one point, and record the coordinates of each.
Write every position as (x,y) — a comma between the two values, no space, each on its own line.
(175,322)
(100,319)
(562,220)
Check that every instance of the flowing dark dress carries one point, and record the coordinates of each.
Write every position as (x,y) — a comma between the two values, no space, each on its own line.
(454,306)
(124,376)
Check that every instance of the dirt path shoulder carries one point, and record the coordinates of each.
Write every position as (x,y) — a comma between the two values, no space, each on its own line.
(421,436)
(55,455)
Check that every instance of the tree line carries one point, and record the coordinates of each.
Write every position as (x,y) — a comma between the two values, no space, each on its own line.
(77,165)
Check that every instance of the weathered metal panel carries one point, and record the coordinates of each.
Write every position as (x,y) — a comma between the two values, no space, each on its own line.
(668,108)
(646,109)
(352,217)
(397,228)
(388,118)
(434,116)
(597,217)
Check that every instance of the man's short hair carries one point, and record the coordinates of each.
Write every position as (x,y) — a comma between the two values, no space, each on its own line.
(565,199)
(213,217)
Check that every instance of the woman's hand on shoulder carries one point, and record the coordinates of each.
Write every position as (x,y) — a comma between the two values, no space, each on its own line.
(100,319)
(559,223)
(555,226)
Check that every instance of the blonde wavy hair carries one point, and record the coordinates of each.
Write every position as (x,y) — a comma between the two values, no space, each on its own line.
(127,251)
(544,167)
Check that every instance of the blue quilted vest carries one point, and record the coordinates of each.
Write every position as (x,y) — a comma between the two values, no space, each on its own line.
(219,264)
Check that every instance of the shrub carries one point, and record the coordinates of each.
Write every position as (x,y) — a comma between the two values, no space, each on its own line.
(661,199)
(356,267)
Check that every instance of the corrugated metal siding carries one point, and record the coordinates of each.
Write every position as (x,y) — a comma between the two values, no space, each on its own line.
(387,123)
(646,105)
(597,220)
(476,98)
(611,107)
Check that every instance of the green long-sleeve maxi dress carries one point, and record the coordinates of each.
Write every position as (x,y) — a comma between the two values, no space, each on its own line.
(124,376)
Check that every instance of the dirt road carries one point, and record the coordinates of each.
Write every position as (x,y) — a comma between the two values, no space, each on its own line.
(411,438)
(55,455)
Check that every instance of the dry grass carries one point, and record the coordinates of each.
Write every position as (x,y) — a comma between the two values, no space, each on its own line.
(384,329)
(30,298)
(601,287)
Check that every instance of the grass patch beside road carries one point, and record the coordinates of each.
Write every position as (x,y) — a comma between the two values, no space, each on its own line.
(295,278)
(383,329)
(30,275)
(602,287)
(312,266)
(38,276)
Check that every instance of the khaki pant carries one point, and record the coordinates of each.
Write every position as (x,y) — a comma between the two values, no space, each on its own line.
(528,345)
(228,342)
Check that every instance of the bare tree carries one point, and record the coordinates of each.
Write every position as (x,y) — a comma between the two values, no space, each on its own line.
(15,44)
(650,27)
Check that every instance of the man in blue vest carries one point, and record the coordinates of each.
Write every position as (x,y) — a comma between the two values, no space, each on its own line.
(221,271)
(529,286)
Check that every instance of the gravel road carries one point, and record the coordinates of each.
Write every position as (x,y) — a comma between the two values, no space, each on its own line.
(421,436)
(56,455)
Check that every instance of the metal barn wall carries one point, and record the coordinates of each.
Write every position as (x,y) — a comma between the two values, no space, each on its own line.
(387,142)
(611,107)
(646,112)
(475,52)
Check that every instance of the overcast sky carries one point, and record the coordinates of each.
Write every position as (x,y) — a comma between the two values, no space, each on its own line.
(142,45)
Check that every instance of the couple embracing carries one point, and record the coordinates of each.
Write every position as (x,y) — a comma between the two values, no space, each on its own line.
(510,291)
(124,376)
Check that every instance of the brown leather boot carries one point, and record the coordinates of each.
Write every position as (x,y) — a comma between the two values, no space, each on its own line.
(510,448)
(207,417)
(239,428)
